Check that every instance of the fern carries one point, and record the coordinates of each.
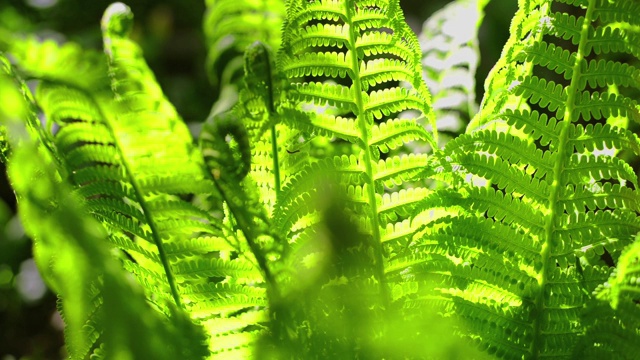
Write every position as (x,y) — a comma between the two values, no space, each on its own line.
(619,295)
(231,26)
(272,163)
(136,189)
(73,249)
(538,196)
(338,55)
(450,57)
(298,226)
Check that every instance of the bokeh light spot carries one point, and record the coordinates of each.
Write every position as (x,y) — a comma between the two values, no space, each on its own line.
(42,4)
(29,283)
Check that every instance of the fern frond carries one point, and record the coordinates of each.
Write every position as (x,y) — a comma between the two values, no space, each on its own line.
(70,241)
(503,73)
(336,56)
(622,286)
(243,201)
(67,64)
(617,303)
(131,157)
(353,82)
(614,335)
(230,26)
(536,178)
(614,317)
(170,175)
(450,56)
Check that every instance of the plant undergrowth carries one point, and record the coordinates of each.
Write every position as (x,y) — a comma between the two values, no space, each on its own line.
(332,205)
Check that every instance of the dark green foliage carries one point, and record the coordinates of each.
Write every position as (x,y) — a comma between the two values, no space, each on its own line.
(299,226)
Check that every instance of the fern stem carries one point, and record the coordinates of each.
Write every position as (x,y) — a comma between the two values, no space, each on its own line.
(136,188)
(276,162)
(244,225)
(116,24)
(146,212)
(554,205)
(368,158)
(274,133)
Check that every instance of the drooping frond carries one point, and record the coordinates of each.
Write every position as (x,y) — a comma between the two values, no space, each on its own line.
(73,255)
(516,245)
(229,166)
(164,181)
(152,189)
(131,158)
(67,64)
(225,146)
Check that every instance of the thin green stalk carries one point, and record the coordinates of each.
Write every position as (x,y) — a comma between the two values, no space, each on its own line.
(556,186)
(274,133)
(245,226)
(276,162)
(368,157)
(147,215)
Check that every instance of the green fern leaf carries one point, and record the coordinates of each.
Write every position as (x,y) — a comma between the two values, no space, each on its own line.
(624,281)
(68,64)
(617,303)
(74,255)
(230,26)
(449,41)
(133,160)
(335,56)
(539,196)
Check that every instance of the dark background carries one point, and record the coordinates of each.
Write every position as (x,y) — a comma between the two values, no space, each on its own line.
(170,33)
